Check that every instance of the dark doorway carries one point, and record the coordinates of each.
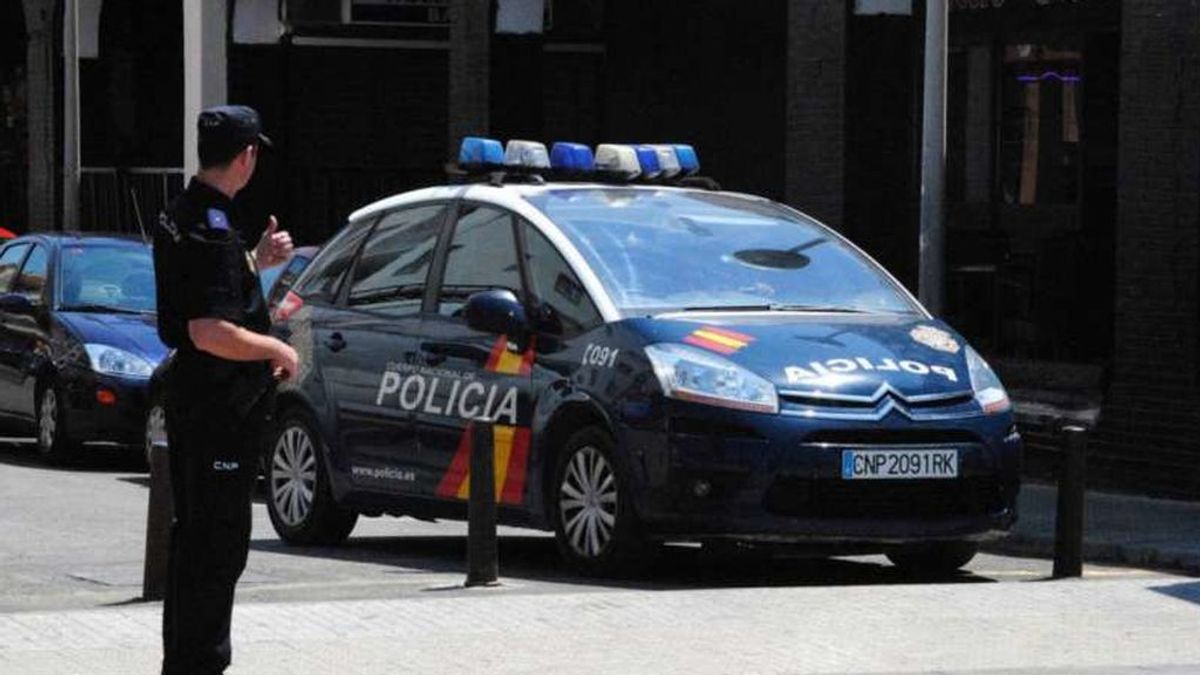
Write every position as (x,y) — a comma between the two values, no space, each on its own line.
(1031,212)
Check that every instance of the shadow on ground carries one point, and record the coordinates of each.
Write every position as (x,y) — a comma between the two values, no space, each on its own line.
(535,559)
(94,459)
(1188,592)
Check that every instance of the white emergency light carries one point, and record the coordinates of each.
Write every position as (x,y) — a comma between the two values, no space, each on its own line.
(530,154)
(668,160)
(617,159)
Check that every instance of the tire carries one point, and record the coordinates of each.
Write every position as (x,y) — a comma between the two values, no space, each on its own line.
(595,526)
(935,560)
(299,500)
(54,442)
(156,428)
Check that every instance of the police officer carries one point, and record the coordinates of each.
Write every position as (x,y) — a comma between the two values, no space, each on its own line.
(219,386)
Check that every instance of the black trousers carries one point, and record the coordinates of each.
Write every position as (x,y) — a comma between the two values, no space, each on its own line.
(214,465)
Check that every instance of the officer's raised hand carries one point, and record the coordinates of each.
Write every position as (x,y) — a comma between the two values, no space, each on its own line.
(274,247)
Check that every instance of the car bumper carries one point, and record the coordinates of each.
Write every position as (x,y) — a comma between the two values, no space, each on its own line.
(770,478)
(90,420)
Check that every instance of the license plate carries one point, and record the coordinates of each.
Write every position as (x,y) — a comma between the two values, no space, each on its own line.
(899,464)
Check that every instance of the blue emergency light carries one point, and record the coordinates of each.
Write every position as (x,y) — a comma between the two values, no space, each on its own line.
(572,157)
(689,162)
(648,160)
(476,151)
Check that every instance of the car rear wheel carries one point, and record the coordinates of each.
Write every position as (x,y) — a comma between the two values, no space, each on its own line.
(596,529)
(939,559)
(53,442)
(299,500)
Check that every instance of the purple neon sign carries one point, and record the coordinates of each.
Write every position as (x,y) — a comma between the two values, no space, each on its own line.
(1070,78)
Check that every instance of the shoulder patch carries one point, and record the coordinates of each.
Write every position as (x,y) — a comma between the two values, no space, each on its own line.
(217,220)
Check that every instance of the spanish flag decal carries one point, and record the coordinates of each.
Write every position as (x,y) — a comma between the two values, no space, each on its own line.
(511,443)
(718,340)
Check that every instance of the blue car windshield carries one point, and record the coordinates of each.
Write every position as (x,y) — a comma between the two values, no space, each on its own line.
(663,250)
(102,278)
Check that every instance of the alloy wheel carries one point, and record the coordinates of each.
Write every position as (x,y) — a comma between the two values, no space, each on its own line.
(293,475)
(587,502)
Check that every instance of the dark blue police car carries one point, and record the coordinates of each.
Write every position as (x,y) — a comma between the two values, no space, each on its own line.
(657,360)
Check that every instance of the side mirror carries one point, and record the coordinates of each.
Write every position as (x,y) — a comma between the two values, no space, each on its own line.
(15,303)
(496,312)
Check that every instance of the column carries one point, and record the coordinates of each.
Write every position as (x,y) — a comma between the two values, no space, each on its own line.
(815,118)
(205,26)
(470,28)
(40,113)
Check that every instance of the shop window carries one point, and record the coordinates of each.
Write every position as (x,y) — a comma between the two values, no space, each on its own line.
(1039,124)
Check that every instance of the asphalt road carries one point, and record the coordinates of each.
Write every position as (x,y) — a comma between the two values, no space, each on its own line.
(74,538)
(70,586)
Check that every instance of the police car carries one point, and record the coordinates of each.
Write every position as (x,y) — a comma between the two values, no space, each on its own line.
(652,359)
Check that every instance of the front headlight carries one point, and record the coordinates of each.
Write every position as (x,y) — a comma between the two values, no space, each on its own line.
(694,375)
(989,393)
(112,361)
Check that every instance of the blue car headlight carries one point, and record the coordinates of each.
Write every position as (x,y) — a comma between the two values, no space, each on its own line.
(695,375)
(989,393)
(112,361)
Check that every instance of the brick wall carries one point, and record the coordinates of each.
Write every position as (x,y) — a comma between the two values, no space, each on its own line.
(1150,431)
(815,108)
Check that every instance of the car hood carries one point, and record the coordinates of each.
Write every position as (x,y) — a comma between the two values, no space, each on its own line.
(135,333)
(832,354)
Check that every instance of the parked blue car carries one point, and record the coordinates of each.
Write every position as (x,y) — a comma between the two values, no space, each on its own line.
(78,340)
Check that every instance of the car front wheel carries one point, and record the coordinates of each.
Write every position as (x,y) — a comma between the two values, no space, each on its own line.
(299,499)
(53,442)
(596,529)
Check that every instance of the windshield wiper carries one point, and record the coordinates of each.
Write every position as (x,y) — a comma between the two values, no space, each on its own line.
(103,308)
(776,308)
(729,308)
(833,309)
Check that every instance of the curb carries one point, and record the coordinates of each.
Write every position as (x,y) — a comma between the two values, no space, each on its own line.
(1152,557)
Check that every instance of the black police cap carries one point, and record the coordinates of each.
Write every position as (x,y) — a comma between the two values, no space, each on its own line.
(226,129)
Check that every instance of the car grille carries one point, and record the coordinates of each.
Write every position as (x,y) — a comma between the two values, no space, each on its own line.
(881,499)
(884,436)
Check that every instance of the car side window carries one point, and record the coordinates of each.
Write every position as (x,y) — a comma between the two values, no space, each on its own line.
(391,273)
(567,309)
(10,260)
(482,256)
(32,280)
(324,275)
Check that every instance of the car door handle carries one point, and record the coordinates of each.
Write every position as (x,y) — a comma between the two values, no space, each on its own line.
(335,342)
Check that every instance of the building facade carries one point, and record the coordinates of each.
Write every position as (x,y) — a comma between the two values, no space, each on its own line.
(1073,146)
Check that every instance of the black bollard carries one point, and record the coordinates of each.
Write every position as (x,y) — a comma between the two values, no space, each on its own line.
(483,567)
(160,513)
(1068,526)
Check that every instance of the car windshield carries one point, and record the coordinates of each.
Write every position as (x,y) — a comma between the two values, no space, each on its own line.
(663,250)
(107,278)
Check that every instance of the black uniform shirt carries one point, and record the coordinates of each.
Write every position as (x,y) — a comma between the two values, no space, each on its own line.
(202,270)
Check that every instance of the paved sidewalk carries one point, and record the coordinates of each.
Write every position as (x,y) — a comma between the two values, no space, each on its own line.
(1158,533)
(1092,626)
